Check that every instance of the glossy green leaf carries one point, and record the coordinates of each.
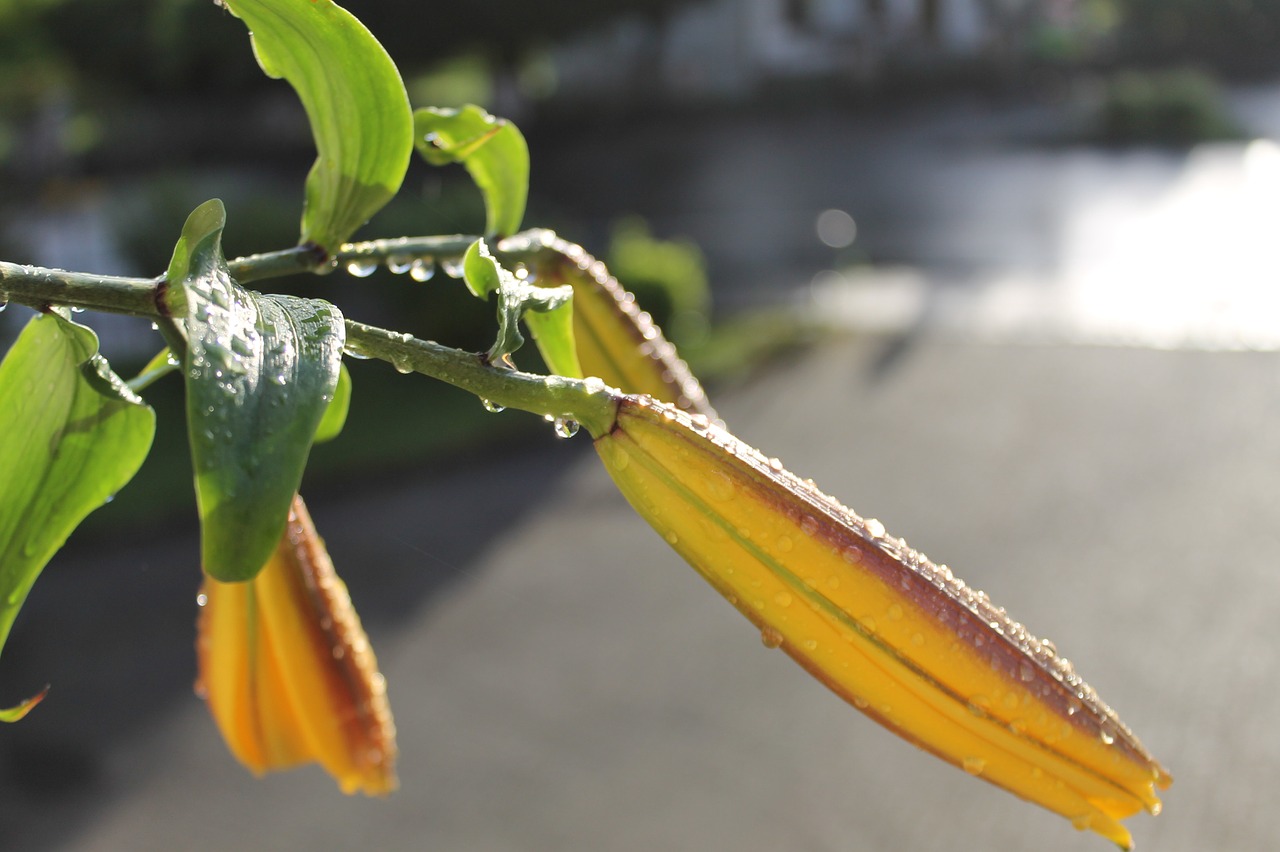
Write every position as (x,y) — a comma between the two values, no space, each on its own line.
(260,372)
(548,311)
(71,436)
(356,103)
(491,149)
(335,414)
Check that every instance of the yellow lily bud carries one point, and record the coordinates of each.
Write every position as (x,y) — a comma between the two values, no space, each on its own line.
(616,340)
(288,672)
(899,637)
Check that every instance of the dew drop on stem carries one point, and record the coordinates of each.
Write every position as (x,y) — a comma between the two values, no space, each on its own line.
(361,267)
(492,407)
(399,263)
(422,269)
(565,428)
(452,266)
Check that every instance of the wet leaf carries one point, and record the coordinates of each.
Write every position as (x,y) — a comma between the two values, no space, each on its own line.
(547,311)
(260,373)
(491,149)
(355,100)
(73,435)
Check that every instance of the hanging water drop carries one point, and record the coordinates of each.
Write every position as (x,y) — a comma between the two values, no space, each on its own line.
(361,267)
(422,269)
(452,266)
(770,637)
(76,309)
(402,365)
(492,407)
(974,765)
(399,263)
(565,428)
(202,599)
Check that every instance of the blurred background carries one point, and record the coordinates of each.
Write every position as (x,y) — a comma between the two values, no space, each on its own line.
(1002,273)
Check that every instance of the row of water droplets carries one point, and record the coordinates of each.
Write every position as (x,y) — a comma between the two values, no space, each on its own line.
(420,268)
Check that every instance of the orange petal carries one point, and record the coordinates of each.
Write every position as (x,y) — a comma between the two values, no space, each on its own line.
(899,637)
(288,672)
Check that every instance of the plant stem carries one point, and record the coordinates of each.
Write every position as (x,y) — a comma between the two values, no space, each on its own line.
(589,402)
(299,259)
(40,288)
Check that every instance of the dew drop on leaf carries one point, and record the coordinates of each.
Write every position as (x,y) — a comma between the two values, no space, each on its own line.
(492,407)
(399,263)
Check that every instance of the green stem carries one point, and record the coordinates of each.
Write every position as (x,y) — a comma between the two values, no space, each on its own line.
(299,259)
(587,402)
(40,288)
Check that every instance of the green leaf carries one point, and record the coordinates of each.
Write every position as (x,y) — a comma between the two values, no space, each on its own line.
(72,436)
(491,149)
(552,331)
(335,414)
(260,372)
(355,100)
(548,311)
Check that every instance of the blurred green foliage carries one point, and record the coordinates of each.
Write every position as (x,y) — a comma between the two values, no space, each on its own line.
(668,278)
(1177,106)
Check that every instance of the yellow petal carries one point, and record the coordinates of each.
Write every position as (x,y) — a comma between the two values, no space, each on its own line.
(899,637)
(288,673)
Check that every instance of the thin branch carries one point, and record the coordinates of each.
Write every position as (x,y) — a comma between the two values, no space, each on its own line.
(589,402)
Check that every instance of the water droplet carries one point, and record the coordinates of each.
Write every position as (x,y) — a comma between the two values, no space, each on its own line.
(895,612)
(784,544)
(202,599)
(452,266)
(1082,822)
(399,263)
(422,269)
(402,365)
(1154,808)
(974,765)
(110,498)
(565,428)
(860,702)
(492,407)
(1107,737)
(76,309)
(782,599)
(361,267)
(852,555)
(672,538)
(917,639)
(339,652)
(833,581)
(4,303)
(721,486)
(811,644)
(771,637)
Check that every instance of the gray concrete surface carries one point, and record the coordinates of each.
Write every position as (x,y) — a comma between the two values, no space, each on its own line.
(561,681)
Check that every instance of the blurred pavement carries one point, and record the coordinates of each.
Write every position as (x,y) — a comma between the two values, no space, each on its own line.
(561,681)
